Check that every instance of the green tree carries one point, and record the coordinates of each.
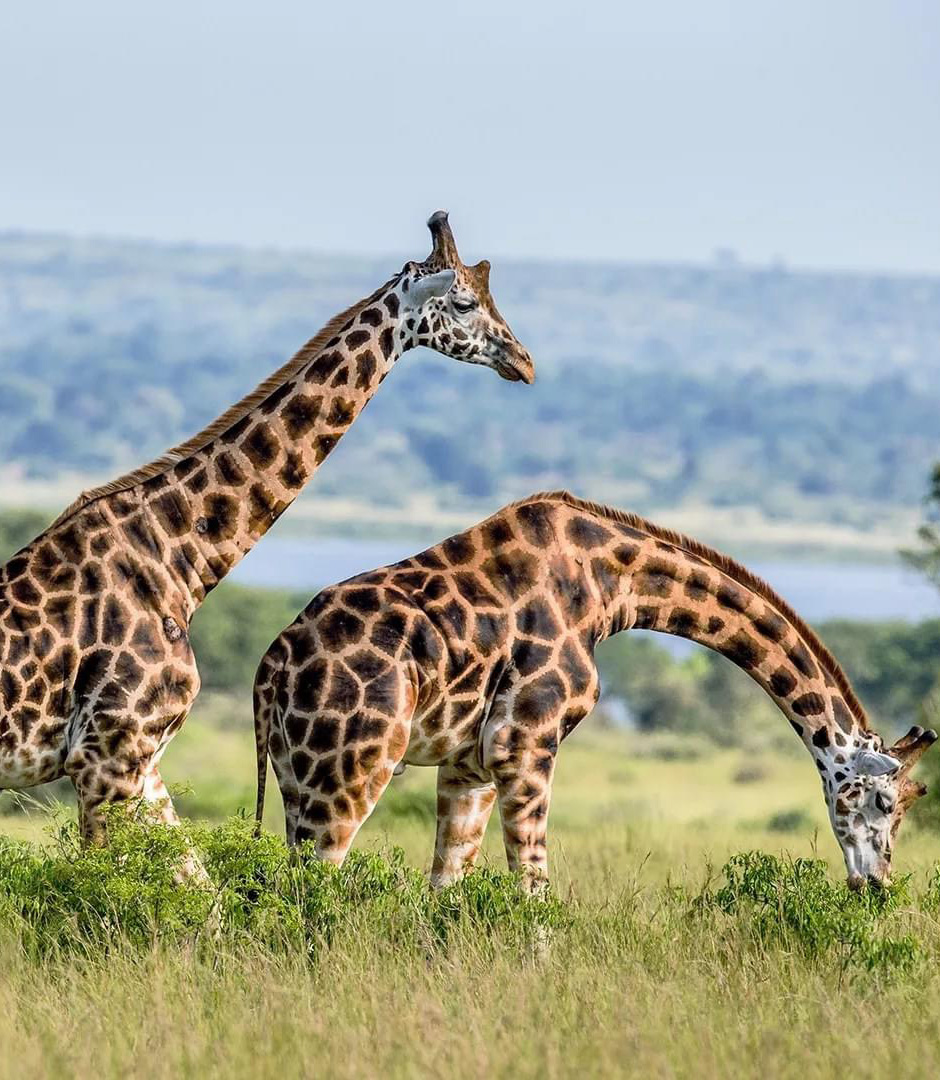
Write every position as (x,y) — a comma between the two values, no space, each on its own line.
(17,528)
(234,627)
(927,557)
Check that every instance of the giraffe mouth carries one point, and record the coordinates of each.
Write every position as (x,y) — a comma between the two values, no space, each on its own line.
(513,370)
(507,372)
(509,359)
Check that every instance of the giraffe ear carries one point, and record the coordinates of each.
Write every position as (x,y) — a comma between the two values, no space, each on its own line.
(434,285)
(873,763)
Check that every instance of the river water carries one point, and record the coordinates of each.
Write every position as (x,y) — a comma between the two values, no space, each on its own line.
(818,591)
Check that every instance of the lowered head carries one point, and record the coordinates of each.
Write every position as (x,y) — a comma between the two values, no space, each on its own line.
(868,805)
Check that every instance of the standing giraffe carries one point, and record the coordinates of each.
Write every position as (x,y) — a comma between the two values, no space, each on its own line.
(96,669)
(477,656)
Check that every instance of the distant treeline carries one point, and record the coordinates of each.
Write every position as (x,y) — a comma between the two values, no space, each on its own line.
(656,385)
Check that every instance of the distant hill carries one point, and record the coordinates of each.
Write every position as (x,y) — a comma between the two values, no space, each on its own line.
(789,395)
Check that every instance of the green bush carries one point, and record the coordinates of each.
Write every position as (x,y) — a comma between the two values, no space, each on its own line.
(63,901)
(17,528)
(69,900)
(794,904)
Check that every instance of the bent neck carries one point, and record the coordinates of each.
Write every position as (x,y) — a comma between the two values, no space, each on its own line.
(652,579)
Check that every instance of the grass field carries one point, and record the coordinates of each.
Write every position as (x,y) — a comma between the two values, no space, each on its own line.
(644,968)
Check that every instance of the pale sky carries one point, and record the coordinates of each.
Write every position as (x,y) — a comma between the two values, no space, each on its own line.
(807,130)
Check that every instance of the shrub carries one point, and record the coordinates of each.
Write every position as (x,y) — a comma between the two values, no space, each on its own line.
(87,901)
(794,904)
(793,820)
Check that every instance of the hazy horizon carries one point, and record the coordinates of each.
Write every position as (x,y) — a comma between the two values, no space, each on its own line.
(719,259)
(785,132)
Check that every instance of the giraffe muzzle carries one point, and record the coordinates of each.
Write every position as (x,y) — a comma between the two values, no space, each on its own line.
(514,365)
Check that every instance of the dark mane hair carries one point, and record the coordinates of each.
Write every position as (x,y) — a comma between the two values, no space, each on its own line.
(728,566)
(231,415)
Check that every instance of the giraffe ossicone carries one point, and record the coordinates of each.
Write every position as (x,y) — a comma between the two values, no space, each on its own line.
(96,669)
(476,656)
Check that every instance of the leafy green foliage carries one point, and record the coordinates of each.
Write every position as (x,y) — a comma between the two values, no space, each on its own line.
(73,901)
(63,901)
(794,904)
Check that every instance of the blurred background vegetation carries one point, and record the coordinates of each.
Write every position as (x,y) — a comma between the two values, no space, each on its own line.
(800,397)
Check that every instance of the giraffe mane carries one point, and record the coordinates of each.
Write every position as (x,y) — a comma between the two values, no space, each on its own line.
(231,415)
(734,570)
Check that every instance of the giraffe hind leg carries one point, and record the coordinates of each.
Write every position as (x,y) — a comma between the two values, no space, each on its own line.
(464,804)
(335,743)
(341,788)
(520,756)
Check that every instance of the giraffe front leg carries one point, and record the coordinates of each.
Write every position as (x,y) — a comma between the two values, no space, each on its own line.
(159,808)
(156,799)
(114,764)
(464,804)
(522,763)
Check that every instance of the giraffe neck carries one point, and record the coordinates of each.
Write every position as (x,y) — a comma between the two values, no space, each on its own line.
(649,582)
(206,511)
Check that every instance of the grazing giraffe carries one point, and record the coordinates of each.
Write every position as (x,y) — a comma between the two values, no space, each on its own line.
(96,669)
(477,656)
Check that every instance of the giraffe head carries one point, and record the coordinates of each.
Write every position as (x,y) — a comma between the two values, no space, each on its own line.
(451,310)
(868,795)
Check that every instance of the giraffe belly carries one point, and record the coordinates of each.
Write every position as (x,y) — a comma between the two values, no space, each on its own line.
(434,742)
(26,766)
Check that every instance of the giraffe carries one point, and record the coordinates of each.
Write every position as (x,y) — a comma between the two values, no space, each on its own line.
(477,656)
(96,669)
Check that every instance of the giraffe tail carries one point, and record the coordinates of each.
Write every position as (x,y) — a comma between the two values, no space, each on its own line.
(265,697)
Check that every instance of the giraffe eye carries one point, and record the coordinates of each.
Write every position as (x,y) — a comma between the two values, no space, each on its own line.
(884,802)
(463,306)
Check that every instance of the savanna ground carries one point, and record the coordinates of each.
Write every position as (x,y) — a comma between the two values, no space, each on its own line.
(652,958)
